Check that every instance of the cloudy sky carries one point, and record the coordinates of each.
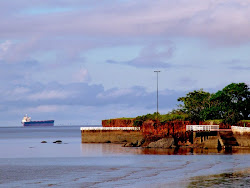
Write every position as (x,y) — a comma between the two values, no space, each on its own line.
(82,61)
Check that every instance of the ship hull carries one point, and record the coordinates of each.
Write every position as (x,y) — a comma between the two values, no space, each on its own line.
(39,123)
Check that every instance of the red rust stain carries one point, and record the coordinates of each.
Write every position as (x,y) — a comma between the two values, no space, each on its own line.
(175,128)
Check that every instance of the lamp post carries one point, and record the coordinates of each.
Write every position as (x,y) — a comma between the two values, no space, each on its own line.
(157,94)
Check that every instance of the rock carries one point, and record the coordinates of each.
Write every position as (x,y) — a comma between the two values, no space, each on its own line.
(58,142)
(43,142)
(136,143)
(129,144)
(140,142)
(162,143)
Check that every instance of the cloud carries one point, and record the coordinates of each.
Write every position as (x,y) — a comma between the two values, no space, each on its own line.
(4,48)
(152,56)
(35,95)
(237,64)
(81,76)
(79,102)
(44,108)
(211,20)
(45,44)
(52,94)
(243,68)
(187,81)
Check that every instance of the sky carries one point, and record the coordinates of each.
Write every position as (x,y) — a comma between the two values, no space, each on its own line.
(81,61)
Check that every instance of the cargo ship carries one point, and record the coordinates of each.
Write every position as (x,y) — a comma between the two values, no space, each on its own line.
(27,122)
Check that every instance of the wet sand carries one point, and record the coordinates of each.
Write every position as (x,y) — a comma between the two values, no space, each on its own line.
(230,179)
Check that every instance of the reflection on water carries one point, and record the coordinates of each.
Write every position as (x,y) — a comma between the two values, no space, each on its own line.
(236,179)
(108,149)
(118,149)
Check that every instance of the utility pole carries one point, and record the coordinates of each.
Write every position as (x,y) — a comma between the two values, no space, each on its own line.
(157,94)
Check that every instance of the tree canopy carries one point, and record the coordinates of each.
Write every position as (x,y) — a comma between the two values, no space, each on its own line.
(231,104)
(195,104)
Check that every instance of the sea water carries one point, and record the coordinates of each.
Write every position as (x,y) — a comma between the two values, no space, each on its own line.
(27,162)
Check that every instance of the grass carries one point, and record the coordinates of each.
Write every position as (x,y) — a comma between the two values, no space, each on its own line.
(215,121)
(124,118)
(246,121)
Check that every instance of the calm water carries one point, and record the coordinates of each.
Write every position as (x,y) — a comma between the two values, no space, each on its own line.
(26,162)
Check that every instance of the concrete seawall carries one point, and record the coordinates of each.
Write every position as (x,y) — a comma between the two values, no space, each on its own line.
(242,135)
(241,130)
(113,135)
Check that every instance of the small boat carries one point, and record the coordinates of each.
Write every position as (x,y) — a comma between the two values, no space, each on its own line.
(27,122)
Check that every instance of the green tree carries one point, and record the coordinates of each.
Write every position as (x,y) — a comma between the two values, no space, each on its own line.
(196,105)
(232,103)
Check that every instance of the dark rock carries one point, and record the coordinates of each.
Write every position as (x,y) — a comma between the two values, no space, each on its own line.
(136,143)
(129,144)
(140,142)
(43,142)
(58,142)
(162,143)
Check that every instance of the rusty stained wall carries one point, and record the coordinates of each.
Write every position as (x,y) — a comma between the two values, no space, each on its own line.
(175,128)
(118,122)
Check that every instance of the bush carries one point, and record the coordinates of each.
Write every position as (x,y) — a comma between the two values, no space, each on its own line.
(171,116)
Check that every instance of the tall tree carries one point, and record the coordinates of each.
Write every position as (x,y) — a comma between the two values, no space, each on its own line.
(195,104)
(232,103)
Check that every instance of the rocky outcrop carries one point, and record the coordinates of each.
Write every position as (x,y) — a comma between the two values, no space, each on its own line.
(136,143)
(162,143)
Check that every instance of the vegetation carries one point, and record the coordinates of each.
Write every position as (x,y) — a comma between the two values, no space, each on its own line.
(231,104)
(214,121)
(195,105)
(125,118)
(245,121)
(140,119)
(174,115)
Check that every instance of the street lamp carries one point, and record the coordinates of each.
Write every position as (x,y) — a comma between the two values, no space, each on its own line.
(157,94)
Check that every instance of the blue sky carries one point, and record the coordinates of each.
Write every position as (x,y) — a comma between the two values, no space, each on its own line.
(79,62)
